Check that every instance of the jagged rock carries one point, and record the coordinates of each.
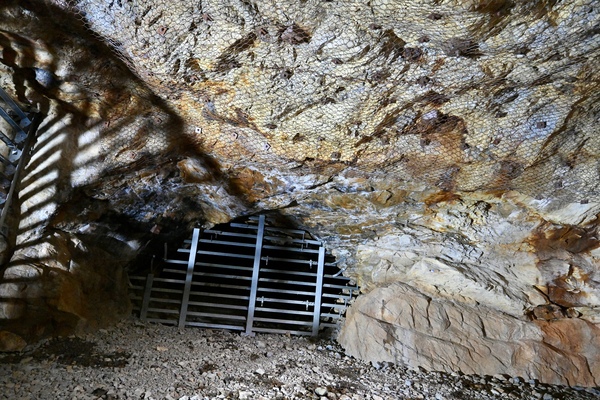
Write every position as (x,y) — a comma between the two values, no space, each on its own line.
(399,324)
(447,147)
(11,342)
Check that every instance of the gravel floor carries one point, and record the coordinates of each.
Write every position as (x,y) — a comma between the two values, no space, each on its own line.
(135,360)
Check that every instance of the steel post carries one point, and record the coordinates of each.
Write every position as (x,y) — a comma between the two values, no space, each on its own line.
(188,278)
(318,291)
(255,272)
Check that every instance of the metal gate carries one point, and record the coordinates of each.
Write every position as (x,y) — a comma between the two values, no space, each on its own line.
(17,132)
(248,277)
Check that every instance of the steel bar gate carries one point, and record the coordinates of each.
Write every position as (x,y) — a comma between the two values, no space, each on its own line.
(248,277)
(17,130)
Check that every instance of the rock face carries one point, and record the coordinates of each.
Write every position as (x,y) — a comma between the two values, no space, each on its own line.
(399,324)
(447,151)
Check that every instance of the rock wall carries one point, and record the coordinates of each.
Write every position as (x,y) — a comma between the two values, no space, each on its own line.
(447,151)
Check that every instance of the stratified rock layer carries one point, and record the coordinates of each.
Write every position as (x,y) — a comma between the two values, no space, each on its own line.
(446,151)
(400,324)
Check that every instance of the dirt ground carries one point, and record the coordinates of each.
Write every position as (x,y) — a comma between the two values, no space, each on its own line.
(136,360)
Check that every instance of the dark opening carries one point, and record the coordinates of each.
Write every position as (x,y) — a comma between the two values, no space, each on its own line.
(247,275)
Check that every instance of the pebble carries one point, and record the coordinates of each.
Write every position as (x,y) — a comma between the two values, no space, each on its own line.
(321,391)
(194,364)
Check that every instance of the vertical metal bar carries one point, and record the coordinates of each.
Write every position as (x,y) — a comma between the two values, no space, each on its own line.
(188,278)
(318,291)
(16,179)
(147,294)
(255,271)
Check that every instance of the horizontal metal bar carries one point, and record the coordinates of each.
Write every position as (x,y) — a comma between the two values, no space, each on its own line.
(328,305)
(169,301)
(162,321)
(282,301)
(163,290)
(337,296)
(283,321)
(8,141)
(333,286)
(20,135)
(294,249)
(284,331)
(163,310)
(220,305)
(174,261)
(294,292)
(213,315)
(331,315)
(215,326)
(6,161)
(290,260)
(175,271)
(287,282)
(234,267)
(218,253)
(11,103)
(226,243)
(286,272)
(280,311)
(241,278)
(210,284)
(168,280)
(234,234)
(202,264)
(223,295)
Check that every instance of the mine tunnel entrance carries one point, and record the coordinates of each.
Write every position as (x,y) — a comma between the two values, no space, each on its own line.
(247,276)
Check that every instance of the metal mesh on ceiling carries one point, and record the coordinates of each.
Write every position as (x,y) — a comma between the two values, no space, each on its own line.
(463,95)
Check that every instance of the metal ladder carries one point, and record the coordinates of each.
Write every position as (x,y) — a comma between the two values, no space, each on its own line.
(17,132)
(249,277)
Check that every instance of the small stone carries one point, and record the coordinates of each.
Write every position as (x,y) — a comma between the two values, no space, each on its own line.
(260,371)
(260,344)
(375,397)
(244,395)
(161,348)
(547,396)
(321,391)
(11,342)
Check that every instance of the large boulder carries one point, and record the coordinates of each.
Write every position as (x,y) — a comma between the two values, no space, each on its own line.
(446,151)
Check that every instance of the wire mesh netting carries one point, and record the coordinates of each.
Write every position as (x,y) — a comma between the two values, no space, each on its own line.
(462,95)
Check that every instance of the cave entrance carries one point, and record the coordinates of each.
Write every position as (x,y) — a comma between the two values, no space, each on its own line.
(246,276)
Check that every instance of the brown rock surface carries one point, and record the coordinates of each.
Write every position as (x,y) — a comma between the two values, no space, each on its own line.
(399,324)
(10,342)
(447,150)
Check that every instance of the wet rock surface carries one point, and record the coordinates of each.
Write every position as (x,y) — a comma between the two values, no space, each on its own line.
(135,360)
